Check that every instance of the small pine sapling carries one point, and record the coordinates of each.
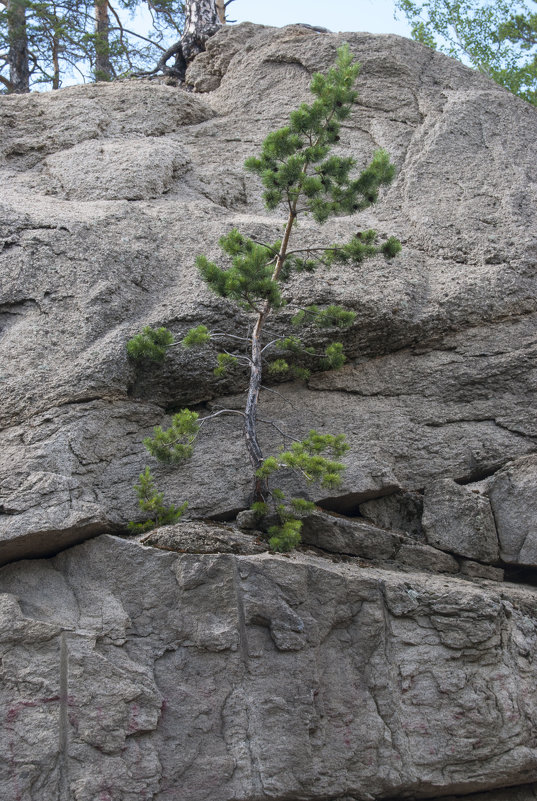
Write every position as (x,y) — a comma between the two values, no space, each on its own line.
(152,502)
(298,173)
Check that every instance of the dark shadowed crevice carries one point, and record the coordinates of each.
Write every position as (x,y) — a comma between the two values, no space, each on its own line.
(226,516)
(348,504)
(520,792)
(480,473)
(43,544)
(520,574)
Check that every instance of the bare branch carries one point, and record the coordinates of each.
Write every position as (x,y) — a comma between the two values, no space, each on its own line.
(218,413)
(282,396)
(273,424)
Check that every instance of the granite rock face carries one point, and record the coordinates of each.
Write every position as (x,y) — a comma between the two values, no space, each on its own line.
(215,671)
(246,677)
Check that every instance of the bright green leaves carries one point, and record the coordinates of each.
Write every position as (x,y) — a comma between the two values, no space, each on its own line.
(314,458)
(285,537)
(151,344)
(301,506)
(307,457)
(336,88)
(288,154)
(391,247)
(295,162)
(334,357)
(497,38)
(152,503)
(174,444)
(278,367)
(332,316)
(248,280)
(225,361)
(196,336)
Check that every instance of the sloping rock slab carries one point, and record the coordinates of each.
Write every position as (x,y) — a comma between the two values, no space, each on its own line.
(355,537)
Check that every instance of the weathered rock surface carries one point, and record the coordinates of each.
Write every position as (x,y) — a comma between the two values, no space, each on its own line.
(513,495)
(460,520)
(144,674)
(199,537)
(443,381)
(133,673)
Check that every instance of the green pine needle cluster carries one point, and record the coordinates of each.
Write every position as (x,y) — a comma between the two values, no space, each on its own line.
(295,161)
(313,458)
(174,445)
(307,457)
(196,336)
(225,361)
(151,344)
(248,280)
(330,317)
(152,503)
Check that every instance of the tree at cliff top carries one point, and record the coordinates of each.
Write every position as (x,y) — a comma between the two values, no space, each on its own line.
(498,38)
(42,43)
(203,19)
(299,175)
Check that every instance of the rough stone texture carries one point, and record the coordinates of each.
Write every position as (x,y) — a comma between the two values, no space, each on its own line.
(477,570)
(341,535)
(460,520)
(132,170)
(243,677)
(353,537)
(443,380)
(513,496)
(199,537)
(219,677)
(401,511)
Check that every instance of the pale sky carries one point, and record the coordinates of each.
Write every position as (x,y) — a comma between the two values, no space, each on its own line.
(374,16)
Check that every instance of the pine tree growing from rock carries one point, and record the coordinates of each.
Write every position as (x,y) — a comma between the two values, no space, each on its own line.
(300,175)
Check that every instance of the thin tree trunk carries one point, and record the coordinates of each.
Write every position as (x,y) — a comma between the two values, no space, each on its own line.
(221,11)
(256,371)
(55,63)
(19,70)
(103,65)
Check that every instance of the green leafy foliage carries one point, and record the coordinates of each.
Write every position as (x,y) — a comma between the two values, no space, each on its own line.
(278,367)
(175,444)
(152,503)
(332,316)
(286,536)
(307,457)
(225,361)
(498,38)
(313,458)
(196,336)
(334,356)
(150,344)
(63,42)
(295,161)
(249,278)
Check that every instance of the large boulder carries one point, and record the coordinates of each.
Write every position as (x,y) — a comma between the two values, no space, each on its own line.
(131,672)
